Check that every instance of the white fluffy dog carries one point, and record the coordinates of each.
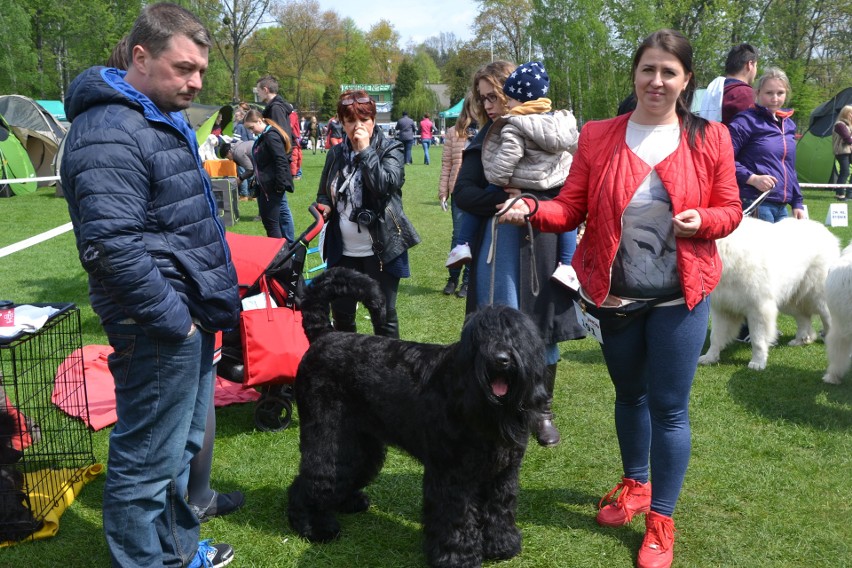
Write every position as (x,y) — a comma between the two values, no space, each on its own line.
(838,340)
(767,268)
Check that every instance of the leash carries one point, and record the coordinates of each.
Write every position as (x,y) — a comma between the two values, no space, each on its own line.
(492,250)
(754,204)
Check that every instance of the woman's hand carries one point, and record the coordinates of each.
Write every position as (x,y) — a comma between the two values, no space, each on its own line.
(686,223)
(516,214)
(762,183)
(324,210)
(360,138)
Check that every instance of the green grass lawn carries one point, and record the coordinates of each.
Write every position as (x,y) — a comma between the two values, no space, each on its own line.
(767,484)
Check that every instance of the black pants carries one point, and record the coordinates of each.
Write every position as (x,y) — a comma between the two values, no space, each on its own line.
(343,309)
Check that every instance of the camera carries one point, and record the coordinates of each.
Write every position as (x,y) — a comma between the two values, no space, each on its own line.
(363,216)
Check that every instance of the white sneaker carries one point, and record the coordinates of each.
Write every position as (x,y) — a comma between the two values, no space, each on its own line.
(459,256)
(566,276)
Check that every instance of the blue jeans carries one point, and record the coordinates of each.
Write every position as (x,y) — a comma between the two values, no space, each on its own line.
(244,184)
(408,145)
(426,144)
(285,219)
(468,226)
(507,274)
(162,391)
(769,212)
(652,363)
(269,209)
(458,214)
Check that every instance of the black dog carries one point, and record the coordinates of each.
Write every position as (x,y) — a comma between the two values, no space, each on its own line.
(464,410)
(16,518)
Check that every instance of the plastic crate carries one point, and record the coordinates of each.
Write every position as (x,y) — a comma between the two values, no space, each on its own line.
(56,449)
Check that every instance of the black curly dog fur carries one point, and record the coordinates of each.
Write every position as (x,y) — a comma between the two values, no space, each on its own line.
(464,410)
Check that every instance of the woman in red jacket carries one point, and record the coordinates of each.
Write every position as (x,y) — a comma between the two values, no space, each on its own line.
(656,188)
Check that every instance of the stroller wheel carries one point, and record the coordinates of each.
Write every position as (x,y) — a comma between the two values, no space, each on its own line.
(273,413)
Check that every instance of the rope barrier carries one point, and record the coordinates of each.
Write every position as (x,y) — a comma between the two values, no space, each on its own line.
(29,180)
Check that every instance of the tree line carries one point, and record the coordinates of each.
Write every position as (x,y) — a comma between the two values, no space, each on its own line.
(586,46)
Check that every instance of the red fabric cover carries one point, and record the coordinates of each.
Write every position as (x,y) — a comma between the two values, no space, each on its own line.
(22,438)
(604,176)
(100,389)
(251,256)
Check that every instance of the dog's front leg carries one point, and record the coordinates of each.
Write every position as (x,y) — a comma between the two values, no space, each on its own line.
(501,538)
(452,536)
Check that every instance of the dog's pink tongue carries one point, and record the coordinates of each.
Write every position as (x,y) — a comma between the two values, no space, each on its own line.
(499,387)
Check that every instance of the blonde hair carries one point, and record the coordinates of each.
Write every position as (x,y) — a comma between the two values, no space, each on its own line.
(774,73)
(465,117)
(845,114)
(495,73)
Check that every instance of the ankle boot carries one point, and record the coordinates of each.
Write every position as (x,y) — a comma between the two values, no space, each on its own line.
(343,322)
(391,325)
(546,433)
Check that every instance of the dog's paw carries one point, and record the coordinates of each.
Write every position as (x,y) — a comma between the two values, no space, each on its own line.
(756,365)
(806,340)
(357,502)
(830,379)
(317,528)
(708,359)
(501,546)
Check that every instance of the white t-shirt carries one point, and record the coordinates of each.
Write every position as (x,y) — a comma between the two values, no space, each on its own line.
(645,265)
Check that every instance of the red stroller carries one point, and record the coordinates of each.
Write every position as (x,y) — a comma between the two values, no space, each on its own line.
(283,264)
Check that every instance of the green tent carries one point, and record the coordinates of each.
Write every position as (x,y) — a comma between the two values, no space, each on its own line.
(14,163)
(452,112)
(202,118)
(814,152)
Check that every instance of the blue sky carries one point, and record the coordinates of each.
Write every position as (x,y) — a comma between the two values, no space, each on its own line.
(414,21)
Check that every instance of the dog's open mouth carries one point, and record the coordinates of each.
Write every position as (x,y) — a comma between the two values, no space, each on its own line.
(499,386)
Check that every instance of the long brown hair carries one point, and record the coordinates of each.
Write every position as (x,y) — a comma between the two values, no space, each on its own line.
(675,43)
(254,115)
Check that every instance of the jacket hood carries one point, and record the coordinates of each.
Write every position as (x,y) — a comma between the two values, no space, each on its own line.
(98,86)
(94,86)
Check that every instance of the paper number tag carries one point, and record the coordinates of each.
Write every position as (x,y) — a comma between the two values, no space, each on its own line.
(590,323)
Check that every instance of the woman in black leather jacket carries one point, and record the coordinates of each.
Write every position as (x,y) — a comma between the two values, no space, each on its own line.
(360,195)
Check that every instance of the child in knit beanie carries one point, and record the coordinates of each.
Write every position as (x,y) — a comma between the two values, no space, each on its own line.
(527,150)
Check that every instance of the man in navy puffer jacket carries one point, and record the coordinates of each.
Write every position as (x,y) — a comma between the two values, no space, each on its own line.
(160,278)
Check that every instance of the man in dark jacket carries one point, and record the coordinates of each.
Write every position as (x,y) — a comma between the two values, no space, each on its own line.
(160,278)
(406,131)
(740,71)
(276,108)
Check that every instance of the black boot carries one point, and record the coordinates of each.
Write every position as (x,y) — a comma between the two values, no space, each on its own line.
(343,322)
(391,326)
(546,433)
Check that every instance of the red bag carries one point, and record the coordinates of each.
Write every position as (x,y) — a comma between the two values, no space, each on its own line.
(273,342)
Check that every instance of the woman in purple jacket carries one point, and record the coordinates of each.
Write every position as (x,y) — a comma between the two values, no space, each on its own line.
(765,150)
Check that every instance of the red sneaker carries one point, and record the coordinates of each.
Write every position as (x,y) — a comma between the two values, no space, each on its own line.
(633,497)
(657,548)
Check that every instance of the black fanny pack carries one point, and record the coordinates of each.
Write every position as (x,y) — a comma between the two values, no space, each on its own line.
(616,318)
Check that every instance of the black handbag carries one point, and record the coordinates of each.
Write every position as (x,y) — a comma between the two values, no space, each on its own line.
(616,318)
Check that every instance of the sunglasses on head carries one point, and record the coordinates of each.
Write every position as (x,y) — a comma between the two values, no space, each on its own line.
(351,99)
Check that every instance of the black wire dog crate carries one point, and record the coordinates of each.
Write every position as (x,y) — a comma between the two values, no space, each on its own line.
(44,451)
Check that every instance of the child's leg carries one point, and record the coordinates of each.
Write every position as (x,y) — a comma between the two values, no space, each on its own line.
(567,246)
(468,229)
